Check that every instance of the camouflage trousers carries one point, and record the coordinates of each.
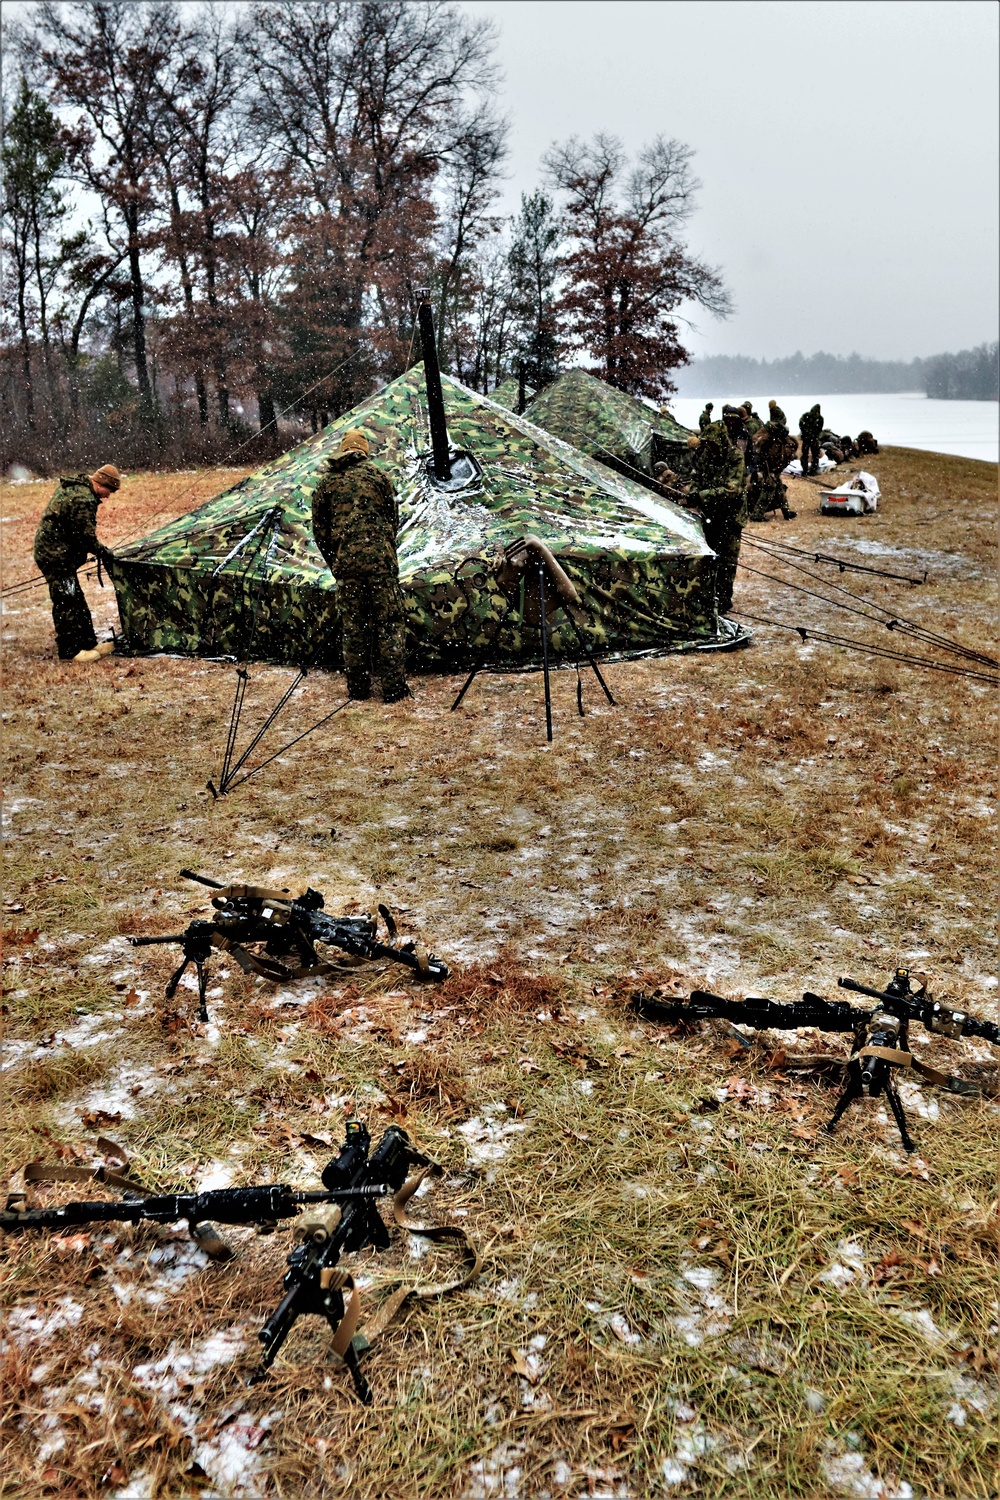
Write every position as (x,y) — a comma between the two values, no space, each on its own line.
(724,539)
(810,455)
(374,627)
(773,495)
(70,615)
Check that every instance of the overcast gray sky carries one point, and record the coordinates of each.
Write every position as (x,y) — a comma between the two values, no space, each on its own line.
(848,152)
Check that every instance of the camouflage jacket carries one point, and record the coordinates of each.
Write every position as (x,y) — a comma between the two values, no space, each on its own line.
(775,447)
(67,532)
(811,425)
(715,478)
(355,517)
(777,415)
(705,419)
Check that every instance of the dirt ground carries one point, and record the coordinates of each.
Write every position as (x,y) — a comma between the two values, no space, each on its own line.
(689,1288)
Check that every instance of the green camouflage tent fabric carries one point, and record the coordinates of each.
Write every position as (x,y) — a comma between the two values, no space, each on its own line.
(609,425)
(505,394)
(241,577)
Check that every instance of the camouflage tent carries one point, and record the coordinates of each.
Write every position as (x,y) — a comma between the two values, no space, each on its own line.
(609,425)
(241,576)
(505,394)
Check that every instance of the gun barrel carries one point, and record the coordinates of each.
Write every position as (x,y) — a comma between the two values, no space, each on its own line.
(864,989)
(148,942)
(215,885)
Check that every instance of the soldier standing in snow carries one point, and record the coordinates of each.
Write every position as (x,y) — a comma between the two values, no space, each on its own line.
(66,537)
(355,519)
(716,493)
(810,428)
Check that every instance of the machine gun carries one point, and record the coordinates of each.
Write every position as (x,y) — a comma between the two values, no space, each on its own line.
(340,1218)
(881,1034)
(286,930)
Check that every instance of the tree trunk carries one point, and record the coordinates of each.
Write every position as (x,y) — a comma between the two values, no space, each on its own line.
(185,270)
(265,408)
(22,318)
(138,311)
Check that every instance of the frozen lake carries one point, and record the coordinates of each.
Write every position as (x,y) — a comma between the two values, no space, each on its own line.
(904,420)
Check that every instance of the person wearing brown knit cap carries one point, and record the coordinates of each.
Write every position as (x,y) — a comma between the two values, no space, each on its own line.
(66,537)
(355,521)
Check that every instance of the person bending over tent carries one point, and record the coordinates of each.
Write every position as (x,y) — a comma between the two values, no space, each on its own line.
(355,520)
(713,489)
(775,448)
(66,537)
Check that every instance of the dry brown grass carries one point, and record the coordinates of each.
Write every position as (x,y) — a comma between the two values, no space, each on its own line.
(661,1212)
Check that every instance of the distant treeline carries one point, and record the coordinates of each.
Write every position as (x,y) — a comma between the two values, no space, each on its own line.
(972,375)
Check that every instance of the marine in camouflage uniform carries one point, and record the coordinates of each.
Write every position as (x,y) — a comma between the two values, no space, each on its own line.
(774,450)
(715,475)
(355,521)
(705,419)
(66,537)
(741,427)
(810,428)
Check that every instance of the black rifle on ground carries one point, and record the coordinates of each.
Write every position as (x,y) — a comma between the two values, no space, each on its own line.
(287,929)
(341,1218)
(881,1034)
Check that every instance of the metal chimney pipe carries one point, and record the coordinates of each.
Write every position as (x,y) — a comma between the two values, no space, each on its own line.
(521,402)
(441,463)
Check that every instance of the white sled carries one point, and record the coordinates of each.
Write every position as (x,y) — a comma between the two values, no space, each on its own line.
(794,469)
(859,497)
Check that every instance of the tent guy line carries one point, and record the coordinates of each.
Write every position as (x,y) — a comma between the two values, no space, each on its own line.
(893,622)
(809,633)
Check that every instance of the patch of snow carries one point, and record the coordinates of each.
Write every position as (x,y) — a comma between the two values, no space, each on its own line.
(488,1136)
(619,1324)
(921,1322)
(116,1098)
(847,1474)
(227,1455)
(849,1268)
(706,1313)
(34,1326)
(497,1475)
(512,1290)
(139,1487)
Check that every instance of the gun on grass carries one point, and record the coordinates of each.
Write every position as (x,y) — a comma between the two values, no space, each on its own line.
(287,931)
(881,1034)
(342,1217)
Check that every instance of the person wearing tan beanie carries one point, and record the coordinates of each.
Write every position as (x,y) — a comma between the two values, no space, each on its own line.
(66,537)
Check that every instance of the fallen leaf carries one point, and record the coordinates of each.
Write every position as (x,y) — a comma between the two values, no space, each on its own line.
(523,1368)
(100,1117)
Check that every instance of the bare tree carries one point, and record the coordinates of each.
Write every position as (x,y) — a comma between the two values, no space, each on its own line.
(103,58)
